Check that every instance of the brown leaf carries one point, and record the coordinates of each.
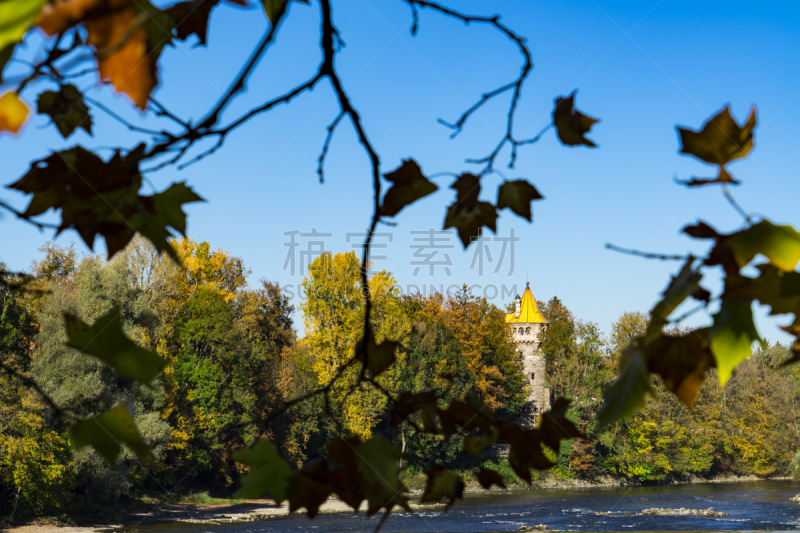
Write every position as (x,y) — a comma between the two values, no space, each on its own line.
(191,18)
(468,214)
(556,427)
(526,450)
(572,125)
(378,357)
(61,15)
(517,195)
(488,477)
(720,140)
(408,186)
(311,488)
(723,177)
(409,403)
(346,478)
(681,361)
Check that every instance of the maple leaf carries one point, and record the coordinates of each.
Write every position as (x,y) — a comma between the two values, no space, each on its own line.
(628,392)
(191,17)
(681,361)
(572,125)
(442,483)
(379,357)
(66,108)
(13,112)
(269,473)
(106,434)
(376,460)
(732,336)
(720,140)
(468,214)
(488,477)
(408,186)
(101,198)
(106,341)
(517,195)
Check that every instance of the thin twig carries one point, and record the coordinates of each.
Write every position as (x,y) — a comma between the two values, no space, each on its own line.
(735,205)
(647,255)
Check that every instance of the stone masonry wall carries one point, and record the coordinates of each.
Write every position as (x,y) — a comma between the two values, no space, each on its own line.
(529,341)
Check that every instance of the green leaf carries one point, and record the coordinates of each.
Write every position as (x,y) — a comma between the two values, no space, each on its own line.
(627,394)
(106,341)
(517,195)
(16,16)
(376,459)
(442,483)
(732,337)
(269,473)
(779,244)
(408,186)
(572,125)
(774,287)
(379,357)
(488,477)
(721,139)
(468,214)
(66,109)
(106,434)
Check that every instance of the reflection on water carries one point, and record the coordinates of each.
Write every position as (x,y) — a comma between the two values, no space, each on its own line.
(763,506)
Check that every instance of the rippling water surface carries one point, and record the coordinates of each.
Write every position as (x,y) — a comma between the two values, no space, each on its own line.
(757,506)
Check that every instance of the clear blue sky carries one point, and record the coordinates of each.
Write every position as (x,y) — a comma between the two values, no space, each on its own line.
(642,67)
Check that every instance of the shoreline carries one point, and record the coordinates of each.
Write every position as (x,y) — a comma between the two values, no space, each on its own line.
(261,510)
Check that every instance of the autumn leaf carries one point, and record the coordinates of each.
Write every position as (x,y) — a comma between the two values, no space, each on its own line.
(468,214)
(722,177)
(441,483)
(101,198)
(379,357)
(474,444)
(572,125)
(732,337)
(555,425)
(682,362)
(779,244)
(66,109)
(408,186)
(122,54)
(774,287)
(376,460)
(488,477)
(346,480)
(191,18)
(720,140)
(312,487)
(526,450)
(106,341)
(107,432)
(13,112)
(627,394)
(268,474)
(517,195)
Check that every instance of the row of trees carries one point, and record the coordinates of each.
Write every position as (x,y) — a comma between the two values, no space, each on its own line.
(235,359)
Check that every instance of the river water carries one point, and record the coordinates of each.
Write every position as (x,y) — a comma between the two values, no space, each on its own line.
(753,506)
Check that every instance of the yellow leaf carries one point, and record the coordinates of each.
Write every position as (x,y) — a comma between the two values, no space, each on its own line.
(13,112)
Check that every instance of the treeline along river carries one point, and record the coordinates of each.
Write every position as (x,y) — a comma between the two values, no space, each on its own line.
(751,506)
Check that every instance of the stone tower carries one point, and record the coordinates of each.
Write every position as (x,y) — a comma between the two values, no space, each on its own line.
(527,329)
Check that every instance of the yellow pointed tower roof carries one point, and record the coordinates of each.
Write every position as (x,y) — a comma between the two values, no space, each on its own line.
(529,312)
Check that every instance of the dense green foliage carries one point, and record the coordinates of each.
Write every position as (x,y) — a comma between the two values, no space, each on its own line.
(234,357)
